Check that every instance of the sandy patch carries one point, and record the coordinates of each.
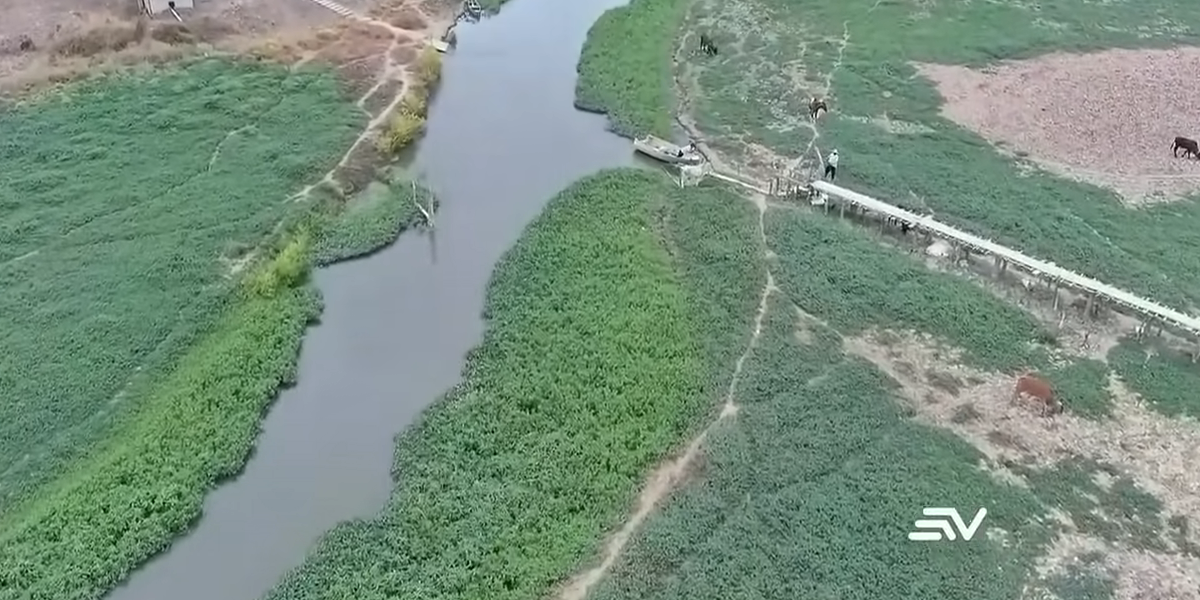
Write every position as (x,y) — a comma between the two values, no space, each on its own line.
(1107,118)
(1156,451)
(1138,575)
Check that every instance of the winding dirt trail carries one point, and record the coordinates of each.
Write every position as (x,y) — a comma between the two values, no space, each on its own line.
(667,477)
(391,71)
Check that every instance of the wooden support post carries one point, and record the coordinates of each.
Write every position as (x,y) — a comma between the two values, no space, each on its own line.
(1091,303)
(842,209)
(1056,298)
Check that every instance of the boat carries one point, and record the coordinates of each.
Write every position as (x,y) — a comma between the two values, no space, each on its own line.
(665,151)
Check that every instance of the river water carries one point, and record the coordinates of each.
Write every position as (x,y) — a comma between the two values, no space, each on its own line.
(503,137)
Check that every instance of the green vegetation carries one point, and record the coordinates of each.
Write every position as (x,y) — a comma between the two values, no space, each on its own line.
(123,236)
(777,53)
(123,504)
(810,491)
(119,197)
(1118,511)
(407,125)
(625,66)
(599,355)
(371,220)
(851,282)
(1165,378)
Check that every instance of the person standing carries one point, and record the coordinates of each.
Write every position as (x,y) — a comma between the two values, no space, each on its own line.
(831,164)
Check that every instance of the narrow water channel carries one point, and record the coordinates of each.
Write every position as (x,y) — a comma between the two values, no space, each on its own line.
(503,138)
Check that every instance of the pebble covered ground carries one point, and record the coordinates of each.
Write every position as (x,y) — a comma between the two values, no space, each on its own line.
(1108,118)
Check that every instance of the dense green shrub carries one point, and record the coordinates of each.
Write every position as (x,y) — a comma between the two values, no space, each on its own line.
(287,269)
(591,368)
(112,511)
(118,198)
(429,68)
(372,220)
(625,66)
(403,129)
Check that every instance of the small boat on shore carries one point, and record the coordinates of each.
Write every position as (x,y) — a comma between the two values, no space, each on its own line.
(660,149)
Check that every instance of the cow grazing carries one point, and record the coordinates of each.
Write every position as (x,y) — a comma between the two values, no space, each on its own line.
(707,45)
(1040,391)
(1189,147)
(815,106)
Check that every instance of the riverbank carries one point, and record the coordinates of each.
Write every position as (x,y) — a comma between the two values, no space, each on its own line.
(606,343)
(194,425)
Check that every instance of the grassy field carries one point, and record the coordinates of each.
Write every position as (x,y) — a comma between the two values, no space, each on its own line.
(600,354)
(119,197)
(809,491)
(777,53)
(782,51)
(625,67)
(141,367)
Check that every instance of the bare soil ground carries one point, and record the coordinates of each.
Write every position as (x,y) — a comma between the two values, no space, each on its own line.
(373,55)
(1107,118)
(80,37)
(1156,451)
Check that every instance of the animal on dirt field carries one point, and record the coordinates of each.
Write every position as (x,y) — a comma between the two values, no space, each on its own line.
(1190,148)
(707,45)
(816,105)
(1040,391)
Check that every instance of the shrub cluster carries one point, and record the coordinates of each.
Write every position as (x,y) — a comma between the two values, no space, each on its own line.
(408,123)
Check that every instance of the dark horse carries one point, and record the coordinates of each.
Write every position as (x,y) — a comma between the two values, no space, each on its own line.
(816,105)
(1190,148)
(707,45)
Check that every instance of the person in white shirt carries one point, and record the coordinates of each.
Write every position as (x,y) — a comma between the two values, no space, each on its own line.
(831,165)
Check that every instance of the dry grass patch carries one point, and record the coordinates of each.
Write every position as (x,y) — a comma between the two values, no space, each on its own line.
(1107,118)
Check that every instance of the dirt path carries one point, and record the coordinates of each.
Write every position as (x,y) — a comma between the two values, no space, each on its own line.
(666,478)
(391,71)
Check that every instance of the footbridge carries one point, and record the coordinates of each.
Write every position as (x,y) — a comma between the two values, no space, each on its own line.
(1151,312)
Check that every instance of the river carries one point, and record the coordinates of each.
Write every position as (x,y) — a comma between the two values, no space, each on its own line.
(503,137)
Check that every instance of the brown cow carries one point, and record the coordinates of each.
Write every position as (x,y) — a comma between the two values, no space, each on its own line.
(1039,389)
(1189,147)
(816,105)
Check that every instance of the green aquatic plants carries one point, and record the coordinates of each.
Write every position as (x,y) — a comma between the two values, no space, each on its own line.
(113,233)
(79,536)
(373,219)
(596,360)
(625,66)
